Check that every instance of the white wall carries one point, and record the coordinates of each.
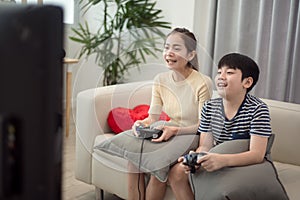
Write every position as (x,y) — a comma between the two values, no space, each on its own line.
(180,13)
(86,74)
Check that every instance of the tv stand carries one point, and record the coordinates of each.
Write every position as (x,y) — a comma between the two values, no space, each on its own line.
(67,62)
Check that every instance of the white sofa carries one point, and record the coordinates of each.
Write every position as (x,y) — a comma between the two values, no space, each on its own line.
(108,173)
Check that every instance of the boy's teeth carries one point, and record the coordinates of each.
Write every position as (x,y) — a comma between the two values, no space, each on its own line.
(221,84)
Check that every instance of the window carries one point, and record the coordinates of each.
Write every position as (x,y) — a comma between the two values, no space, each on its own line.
(67,6)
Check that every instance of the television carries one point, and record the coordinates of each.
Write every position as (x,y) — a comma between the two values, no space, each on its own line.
(31,86)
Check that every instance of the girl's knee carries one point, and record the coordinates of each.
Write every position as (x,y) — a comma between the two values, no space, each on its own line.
(154,180)
(177,174)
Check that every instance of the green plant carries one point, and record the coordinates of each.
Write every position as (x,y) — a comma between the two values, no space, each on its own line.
(129,30)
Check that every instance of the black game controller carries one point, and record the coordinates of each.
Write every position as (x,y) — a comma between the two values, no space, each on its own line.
(191,160)
(148,133)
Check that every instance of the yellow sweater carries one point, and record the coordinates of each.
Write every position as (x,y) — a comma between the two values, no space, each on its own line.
(183,100)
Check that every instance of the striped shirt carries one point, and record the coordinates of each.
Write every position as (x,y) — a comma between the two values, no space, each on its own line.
(252,118)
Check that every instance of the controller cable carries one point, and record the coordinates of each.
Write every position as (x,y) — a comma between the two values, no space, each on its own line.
(192,184)
(139,168)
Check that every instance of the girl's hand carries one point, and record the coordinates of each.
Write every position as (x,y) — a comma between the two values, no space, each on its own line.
(136,124)
(213,161)
(168,132)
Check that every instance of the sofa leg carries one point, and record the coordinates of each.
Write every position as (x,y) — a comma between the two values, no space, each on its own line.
(99,193)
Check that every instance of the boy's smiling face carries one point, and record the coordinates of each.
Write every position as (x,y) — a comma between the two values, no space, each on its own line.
(229,82)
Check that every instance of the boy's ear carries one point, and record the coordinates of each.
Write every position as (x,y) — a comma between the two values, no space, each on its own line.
(247,82)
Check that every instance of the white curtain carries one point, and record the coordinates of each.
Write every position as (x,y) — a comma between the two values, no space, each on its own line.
(266,30)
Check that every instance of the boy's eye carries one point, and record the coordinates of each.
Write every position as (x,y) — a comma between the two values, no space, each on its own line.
(230,72)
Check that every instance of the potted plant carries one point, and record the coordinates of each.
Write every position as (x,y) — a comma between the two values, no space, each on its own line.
(8,1)
(129,33)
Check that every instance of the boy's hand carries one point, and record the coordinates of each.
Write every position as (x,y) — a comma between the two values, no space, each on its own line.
(187,169)
(212,161)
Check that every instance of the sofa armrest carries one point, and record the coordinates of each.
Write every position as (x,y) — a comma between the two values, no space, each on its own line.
(93,106)
(285,118)
(86,131)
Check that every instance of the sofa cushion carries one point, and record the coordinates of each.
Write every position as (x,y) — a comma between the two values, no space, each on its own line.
(121,119)
(289,175)
(106,159)
(259,181)
(156,157)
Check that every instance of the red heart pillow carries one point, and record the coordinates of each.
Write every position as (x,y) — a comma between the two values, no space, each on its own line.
(121,119)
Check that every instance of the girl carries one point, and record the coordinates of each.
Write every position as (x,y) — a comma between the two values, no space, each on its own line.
(181,93)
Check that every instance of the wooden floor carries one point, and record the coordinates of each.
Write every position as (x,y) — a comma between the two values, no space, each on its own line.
(73,189)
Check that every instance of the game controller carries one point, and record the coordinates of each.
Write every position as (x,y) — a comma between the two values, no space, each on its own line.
(148,133)
(191,160)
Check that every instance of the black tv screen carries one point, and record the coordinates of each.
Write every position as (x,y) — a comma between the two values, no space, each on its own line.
(31,82)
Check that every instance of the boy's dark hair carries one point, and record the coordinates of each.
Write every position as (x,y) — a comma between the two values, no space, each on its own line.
(244,63)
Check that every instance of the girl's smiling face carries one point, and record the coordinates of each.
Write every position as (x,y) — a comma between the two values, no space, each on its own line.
(175,52)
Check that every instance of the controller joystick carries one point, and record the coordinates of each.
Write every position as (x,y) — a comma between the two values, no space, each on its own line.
(191,160)
(140,127)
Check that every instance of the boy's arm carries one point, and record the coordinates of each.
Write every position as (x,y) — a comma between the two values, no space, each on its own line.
(206,142)
(256,153)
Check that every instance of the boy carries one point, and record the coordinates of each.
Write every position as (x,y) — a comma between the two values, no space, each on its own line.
(236,115)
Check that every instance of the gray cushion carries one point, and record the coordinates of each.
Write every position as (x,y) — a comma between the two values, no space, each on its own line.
(156,157)
(231,147)
(259,181)
(239,146)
